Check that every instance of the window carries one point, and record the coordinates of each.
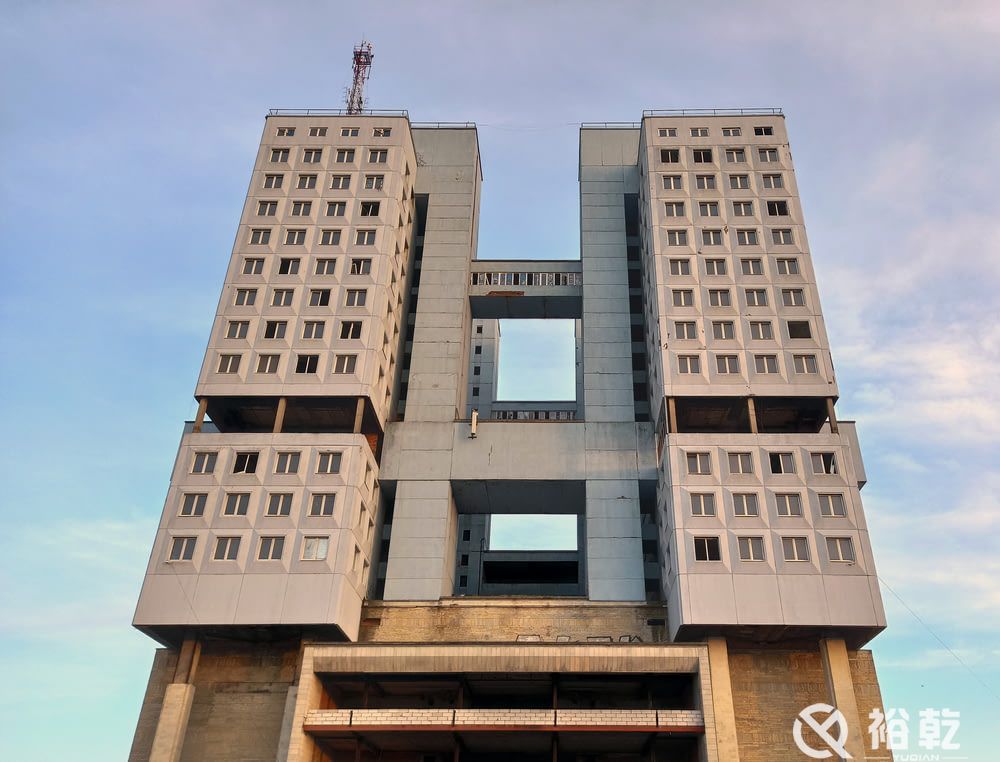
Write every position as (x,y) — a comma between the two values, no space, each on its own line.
(229,363)
(677,238)
(832,505)
(475,391)
(823,463)
(282,297)
(369,208)
(267,208)
(301,208)
(793,297)
(761,131)
(193,504)
(788,266)
(312,155)
(306,182)
(727,364)
(246,462)
(313,329)
(287,463)
(260,236)
(680,266)
(795,548)
(364,238)
(204,462)
(752,266)
(781,236)
(799,329)
(788,503)
(361,266)
(674,208)
(273,181)
(711,238)
(227,549)
(289,265)
(699,132)
(279,155)
(356,297)
(667,132)
(325,266)
(672,182)
(745,504)
(348,132)
(715,267)
(708,208)
(295,237)
(683,297)
(756,297)
(761,330)
(329,237)
(378,156)
(740,463)
(323,503)
(731,132)
(319,297)
(306,363)
(182,548)
(329,463)
(768,155)
(840,549)
(777,208)
(774,181)
(340,182)
(345,364)
(705,182)
(743,208)
(374,182)
(702,504)
(345,156)
(751,548)
(315,548)
(707,549)
(478,349)
(271,548)
(350,329)
(236,504)
(477,370)
(279,504)
(703,156)
(765,363)
(275,329)
(746,237)
(285,132)
(735,155)
(237,329)
(739,182)
(267,363)
(699,463)
(723,330)
(685,330)
(782,462)
(317,132)
(688,364)
(805,364)
(719,297)
(670,156)
(253,266)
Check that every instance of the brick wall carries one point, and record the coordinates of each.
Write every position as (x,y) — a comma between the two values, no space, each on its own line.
(505,717)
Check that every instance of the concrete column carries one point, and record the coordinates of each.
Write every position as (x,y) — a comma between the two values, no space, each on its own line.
(840,689)
(279,415)
(308,695)
(199,418)
(172,726)
(722,700)
(421,565)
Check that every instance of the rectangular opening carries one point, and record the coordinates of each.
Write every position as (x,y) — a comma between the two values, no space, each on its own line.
(537,360)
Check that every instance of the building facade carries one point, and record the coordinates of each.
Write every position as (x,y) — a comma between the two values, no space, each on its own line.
(322,581)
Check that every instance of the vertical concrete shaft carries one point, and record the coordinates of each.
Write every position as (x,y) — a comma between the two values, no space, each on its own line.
(172,726)
(722,700)
(840,688)
(422,549)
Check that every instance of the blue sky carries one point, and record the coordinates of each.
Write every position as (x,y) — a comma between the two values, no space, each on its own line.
(129,133)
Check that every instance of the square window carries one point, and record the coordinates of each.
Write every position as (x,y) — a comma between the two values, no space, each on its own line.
(267,208)
(777,208)
(295,237)
(326,266)
(348,132)
(751,548)
(745,504)
(345,156)
(723,330)
(795,548)
(279,155)
(340,182)
(329,238)
(680,266)
(735,155)
(193,504)
(306,363)
(271,548)
(317,132)
(345,364)
(752,266)
(685,330)
(840,549)
(350,329)
(768,155)
(672,182)
(740,463)
(788,266)
(677,238)
(374,182)
(805,364)
(743,208)
(282,297)
(702,504)
(236,504)
(182,548)
(699,463)
(226,549)
(774,181)
(683,297)
(782,462)
(361,267)
(267,363)
(273,181)
(312,155)
(699,132)
(369,208)
(287,463)
(739,182)
(285,132)
(674,208)
(702,156)
(667,132)
(824,463)
(306,182)
(279,504)
(719,297)
(313,329)
(688,364)
(246,462)
(711,237)
(765,364)
(229,363)
(832,505)
(288,266)
(378,156)
(275,329)
(356,297)
(364,238)
(799,329)
(670,156)
(329,463)
(237,329)
(323,503)
(793,297)
(705,182)
(260,236)
(715,267)
(707,549)
(319,297)
(301,208)
(708,208)
(761,330)
(731,132)
(788,503)
(761,131)
(746,237)
(756,297)
(315,548)
(727,364)
(204,462)
(782,236)
(253,266)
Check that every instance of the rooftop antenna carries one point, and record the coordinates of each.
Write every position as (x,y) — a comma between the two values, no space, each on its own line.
(362,68)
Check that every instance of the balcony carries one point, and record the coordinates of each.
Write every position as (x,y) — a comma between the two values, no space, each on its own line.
(526,289)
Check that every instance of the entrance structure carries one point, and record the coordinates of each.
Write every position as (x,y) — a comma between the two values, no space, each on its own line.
(322,579)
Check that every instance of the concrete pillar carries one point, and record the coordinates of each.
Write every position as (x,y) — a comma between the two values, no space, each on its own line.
(722,700)
(199,418)
(840,689)
(279,415)
(421,565)
(172,726)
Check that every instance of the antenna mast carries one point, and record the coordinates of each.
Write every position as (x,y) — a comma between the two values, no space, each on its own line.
(362,68)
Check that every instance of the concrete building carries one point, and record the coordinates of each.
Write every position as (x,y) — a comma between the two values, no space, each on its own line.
(322,581)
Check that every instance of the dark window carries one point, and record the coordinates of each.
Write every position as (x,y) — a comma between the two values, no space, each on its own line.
(799,329)
(306,363)
(707,549)
(245,463)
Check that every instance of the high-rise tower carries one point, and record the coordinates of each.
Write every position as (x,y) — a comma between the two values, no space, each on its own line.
(323,579)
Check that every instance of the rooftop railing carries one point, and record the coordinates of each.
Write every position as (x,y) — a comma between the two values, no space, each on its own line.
(713,112)
(334,112)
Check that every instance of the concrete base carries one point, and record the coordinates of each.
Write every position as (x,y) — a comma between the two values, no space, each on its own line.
(172,726)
